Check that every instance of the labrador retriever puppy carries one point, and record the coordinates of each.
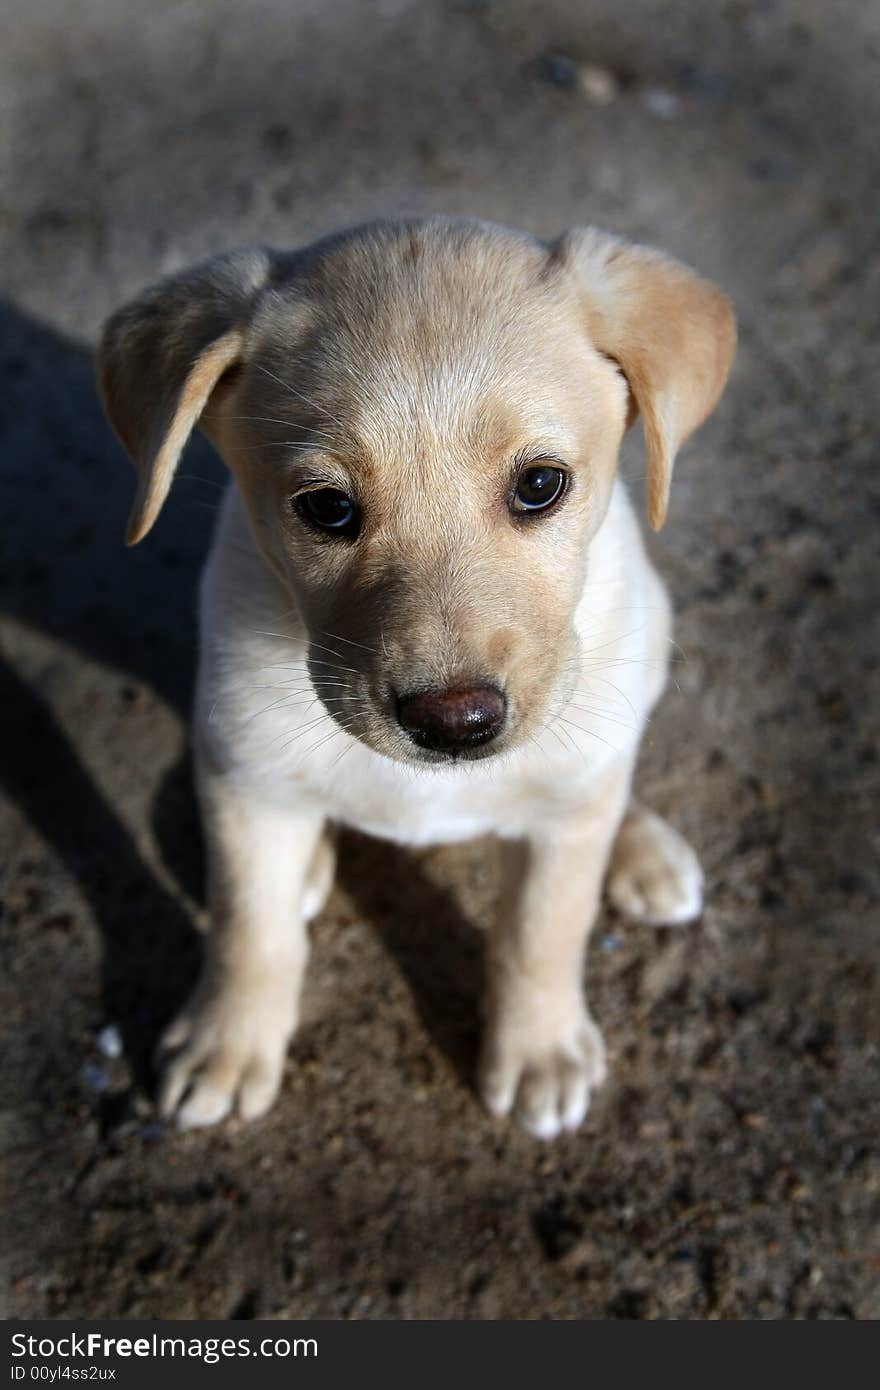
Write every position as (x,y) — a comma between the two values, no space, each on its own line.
(428,613)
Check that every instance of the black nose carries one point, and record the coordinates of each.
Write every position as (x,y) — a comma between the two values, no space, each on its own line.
(449,721)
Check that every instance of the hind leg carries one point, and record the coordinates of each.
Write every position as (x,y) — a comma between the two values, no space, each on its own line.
(654,875)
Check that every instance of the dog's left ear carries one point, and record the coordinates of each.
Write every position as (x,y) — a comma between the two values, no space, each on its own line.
(672,334)
(161,359)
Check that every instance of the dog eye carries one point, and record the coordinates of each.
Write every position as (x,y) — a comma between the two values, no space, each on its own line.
(329,510)
(538,487)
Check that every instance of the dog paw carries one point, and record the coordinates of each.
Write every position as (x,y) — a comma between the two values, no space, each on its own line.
(546,1087)
(654,875)
(221,1057)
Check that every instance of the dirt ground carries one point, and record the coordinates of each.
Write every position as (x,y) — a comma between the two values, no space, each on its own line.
(730,1168)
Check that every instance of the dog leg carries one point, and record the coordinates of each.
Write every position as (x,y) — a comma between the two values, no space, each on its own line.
(226,1051)
(543,1053)
(654,875)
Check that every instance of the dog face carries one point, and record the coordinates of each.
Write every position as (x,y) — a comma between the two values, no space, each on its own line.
(425,463)
(424,421)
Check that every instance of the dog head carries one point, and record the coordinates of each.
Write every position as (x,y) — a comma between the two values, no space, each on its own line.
(423,420)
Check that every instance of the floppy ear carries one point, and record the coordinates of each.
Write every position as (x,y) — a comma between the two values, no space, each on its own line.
(160,359)
(671,333)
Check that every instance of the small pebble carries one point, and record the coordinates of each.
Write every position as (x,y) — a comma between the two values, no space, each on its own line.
(661,102)
(598,85)
(818,1118)
(95,1078)
(109,1041)
(560,70)
(611,942)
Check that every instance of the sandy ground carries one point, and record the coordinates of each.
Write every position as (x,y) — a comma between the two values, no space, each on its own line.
(730,1168)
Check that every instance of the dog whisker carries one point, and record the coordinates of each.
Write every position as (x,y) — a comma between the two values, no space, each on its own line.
(298,395)
(562,733)
(266,420)
(322,648)
(322,692)
(310,661)
(337,638)
(312,723)
(340,729)
(311,680)
(196,478)
(301,671)
(616,689)
(613,641)
(599,714)
(290,445)
(316,438)
(549,726)
(592,733)
(607,663)
(285,685)
(340,755)
(285,700)
(283,636)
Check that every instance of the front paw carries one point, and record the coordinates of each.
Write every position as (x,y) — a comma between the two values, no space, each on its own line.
(224,1055)
(545,1079)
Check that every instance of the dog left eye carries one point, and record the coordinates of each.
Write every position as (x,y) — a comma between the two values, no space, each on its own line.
(538,488)
(329,509)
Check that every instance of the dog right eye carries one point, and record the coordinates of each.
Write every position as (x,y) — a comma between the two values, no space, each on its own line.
(330,510)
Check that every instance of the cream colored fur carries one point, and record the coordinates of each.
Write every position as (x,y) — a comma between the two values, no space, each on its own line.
(412,365)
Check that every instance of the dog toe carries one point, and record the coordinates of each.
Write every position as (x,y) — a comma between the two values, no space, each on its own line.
(548,1089)
(219,1059)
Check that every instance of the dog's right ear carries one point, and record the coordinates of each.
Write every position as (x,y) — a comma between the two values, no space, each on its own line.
(161,358)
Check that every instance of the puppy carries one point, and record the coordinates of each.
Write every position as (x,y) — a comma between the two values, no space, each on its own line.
(427,613)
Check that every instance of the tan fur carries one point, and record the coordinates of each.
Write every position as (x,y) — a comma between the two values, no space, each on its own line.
(672,333)
(416,366)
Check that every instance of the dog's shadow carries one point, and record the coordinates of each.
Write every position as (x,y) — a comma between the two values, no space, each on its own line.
(65,488)
(65,574)
(421,924)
